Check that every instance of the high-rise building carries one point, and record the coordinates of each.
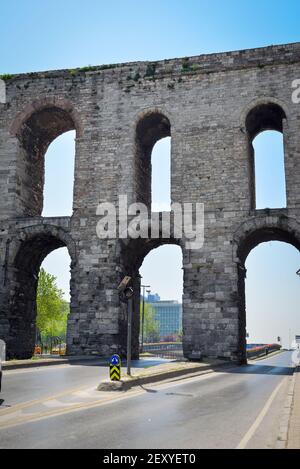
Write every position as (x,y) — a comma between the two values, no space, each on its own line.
(169,316)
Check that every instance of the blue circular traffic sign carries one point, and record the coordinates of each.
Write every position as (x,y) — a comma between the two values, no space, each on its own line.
(115,360)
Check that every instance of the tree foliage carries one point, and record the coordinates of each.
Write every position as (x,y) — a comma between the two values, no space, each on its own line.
(151,325)
(52,309)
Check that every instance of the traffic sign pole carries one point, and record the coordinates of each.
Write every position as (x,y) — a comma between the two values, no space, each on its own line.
(129,332)
(126,293)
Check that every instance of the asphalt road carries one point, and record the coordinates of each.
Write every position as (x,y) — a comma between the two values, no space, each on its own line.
(235,407)
(35,383)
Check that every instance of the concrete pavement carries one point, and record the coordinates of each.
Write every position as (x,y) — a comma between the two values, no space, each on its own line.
(293,441)
(236,407)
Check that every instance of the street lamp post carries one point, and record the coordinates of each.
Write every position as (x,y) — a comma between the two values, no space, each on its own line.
(143,315)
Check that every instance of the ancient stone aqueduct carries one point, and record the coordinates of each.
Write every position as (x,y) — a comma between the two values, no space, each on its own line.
(213,106)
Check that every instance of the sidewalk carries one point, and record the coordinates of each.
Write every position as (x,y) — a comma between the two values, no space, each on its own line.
(294,426)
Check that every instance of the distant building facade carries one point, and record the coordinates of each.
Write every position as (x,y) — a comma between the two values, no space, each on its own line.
(153,298)
(169,316)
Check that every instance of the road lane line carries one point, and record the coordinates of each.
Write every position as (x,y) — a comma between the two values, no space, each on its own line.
(23,419)
(250,433)
(163,383)
(24,405)
(20,420)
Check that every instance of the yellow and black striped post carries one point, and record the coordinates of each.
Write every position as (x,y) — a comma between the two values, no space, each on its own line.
(115,368)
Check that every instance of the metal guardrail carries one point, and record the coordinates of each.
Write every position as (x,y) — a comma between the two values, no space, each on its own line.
(262,350)
(169,350)
(173,350)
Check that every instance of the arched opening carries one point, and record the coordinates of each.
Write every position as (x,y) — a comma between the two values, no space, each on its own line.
(161,308)
(161,176)
(269,259)
(53,302)
(265,129)
(166,257)
(27,263)
(35,135)
(270,190)
(272,293)
(59,176)
(153,165)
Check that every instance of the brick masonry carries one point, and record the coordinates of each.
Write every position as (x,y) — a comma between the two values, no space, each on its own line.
(212,106)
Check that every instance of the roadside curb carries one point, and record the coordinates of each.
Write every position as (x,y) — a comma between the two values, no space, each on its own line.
(282,439)
(129,382)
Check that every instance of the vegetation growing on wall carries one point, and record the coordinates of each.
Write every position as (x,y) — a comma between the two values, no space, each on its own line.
(6,77)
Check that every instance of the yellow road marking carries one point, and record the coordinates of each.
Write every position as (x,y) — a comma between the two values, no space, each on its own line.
(24,405)
(72,408)
(87,405)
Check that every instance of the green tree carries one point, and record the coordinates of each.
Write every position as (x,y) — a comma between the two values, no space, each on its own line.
(52,309)
(151,325)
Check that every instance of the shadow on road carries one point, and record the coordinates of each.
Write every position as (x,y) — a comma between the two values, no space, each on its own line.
(258,370)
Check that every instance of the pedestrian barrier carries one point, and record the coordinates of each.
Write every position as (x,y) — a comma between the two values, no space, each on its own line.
(262,350)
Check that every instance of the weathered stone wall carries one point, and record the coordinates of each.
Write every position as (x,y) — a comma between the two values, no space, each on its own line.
(119,112)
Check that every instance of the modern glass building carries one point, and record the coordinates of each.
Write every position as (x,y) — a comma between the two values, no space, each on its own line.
(169,316)
(153,298)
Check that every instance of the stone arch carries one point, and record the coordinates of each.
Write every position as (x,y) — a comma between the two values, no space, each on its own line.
(28,250)
(251,233)
(272,225)
(131,254)
(264,116)
(27,233)
(140,115)
(35,128)
(40,104)
(261,101)
(151,125)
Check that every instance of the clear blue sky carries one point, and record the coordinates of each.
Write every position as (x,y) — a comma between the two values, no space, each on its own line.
(51,34)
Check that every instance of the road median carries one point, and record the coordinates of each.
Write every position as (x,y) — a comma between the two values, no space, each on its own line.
(166,371)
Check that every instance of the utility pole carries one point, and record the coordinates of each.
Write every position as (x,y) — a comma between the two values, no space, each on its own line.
(129,330)
(143,315)
(126,293)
